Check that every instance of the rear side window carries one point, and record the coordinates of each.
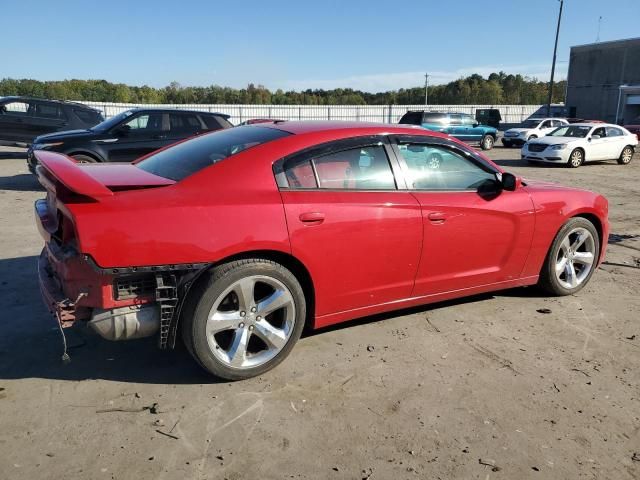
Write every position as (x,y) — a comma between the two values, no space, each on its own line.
(88,116)
(411,118)
(360,168)
(181,122)
(614,132)
(189,157)
(48,111)
(439,118)
(215,123)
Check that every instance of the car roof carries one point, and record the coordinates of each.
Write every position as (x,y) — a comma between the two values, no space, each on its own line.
(593,124)
(298,127)
(14,98)
(180,110)
(433,111)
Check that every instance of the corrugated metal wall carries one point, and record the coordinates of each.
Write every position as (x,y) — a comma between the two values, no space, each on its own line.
(365,113)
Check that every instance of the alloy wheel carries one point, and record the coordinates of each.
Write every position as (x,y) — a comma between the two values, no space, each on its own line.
(250,322)
(626,156)
(576,158)
(575,258)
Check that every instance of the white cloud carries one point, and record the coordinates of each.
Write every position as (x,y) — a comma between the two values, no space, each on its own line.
(393,81)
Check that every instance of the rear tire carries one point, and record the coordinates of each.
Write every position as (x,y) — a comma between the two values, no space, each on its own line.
(572,258)
(487,142)
(243,318)
(626,155)
(576,158)
(84,159)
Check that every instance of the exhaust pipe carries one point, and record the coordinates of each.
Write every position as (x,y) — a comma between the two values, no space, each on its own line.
(126,323)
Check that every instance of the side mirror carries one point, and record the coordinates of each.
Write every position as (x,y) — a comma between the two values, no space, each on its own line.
(509,181)
(594,137)
(475,124)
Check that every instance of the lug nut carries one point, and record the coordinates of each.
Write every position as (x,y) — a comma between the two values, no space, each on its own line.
(250,327)
(242,314)
(253,309)
(258,318)
(241,325)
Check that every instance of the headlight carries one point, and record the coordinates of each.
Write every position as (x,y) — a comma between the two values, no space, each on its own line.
(41,146)
(561,146)
(522,134)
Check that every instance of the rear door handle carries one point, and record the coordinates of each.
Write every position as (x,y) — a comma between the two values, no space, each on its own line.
(437,217)
(312,218)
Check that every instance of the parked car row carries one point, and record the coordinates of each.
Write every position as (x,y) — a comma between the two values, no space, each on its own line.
(129,135)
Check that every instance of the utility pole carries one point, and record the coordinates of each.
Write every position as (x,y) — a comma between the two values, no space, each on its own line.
(426,88)
(599,25)
(553,65)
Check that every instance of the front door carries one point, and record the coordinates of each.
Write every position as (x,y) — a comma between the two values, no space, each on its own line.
(599,147)
(138,135)
(15,122)
(357,231)
(473,234)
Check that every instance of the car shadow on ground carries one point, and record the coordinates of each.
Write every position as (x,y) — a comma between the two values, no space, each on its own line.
(24,182)
(13,155)
(519,163)
(31,343)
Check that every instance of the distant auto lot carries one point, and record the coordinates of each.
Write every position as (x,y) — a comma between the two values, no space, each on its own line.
(452,390)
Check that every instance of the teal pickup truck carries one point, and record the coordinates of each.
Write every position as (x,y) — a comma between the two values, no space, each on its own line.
(459,125)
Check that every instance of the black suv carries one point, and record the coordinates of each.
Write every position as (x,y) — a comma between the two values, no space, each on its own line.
(129,135)
(22,118)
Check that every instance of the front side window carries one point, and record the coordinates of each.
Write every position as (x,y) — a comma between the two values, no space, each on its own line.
(546,124)
(145,122)
(455,120)
(437,118)
(468,120)
(601,132)
(437,167)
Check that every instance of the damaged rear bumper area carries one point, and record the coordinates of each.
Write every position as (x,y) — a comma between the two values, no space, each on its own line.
(120,323)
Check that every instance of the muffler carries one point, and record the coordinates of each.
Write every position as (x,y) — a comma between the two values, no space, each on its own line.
(126,323)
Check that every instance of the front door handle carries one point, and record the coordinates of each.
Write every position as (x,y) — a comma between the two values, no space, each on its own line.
(312,218)
(437,217)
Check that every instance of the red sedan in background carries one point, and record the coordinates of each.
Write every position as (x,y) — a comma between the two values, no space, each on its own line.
(240,238)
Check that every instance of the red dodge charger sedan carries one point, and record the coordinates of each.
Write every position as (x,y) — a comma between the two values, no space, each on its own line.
(237,239)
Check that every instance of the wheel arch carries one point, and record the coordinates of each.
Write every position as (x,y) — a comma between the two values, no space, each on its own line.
(287,260)
(87,153)
(593,218)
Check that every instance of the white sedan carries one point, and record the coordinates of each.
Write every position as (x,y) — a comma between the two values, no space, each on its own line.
(531,129)
(582,142)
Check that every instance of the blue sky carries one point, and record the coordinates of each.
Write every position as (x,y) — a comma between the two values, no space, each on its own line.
(370,45)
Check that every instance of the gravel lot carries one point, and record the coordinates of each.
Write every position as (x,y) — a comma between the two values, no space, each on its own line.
(486,387)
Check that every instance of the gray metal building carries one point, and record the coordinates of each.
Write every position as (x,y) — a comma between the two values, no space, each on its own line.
(604,81)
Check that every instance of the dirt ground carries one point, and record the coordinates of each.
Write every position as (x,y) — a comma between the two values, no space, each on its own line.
(483,388)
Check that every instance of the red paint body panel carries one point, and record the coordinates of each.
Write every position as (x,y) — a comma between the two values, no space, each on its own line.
(365,252)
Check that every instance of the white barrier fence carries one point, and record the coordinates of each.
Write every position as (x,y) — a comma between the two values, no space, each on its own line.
(511,114)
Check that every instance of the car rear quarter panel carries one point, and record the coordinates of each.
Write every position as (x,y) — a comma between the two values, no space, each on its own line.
(554,206)
(236,207)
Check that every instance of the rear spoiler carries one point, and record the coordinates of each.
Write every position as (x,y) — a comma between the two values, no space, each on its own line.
(66,171)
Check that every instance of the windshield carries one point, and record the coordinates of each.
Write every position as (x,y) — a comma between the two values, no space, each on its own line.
(571,131)
(112,122)
(530,123)
(189,157)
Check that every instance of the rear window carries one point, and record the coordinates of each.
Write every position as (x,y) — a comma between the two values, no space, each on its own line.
(215,123)
(189,157)
(88,116)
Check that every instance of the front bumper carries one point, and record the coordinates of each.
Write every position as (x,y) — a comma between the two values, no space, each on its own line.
(547,155)
(513,141)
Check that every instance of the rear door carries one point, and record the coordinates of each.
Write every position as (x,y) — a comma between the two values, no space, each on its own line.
(616,141)
(15,122)
(47,117)
(184,125)
(140,134)
(473,235)
(357,231)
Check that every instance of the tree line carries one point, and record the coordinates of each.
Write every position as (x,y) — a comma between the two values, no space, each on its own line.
(497,88)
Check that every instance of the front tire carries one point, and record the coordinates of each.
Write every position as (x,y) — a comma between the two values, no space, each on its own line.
(487,142)
(576,158)
(572,258)
(244,318)
(626,155)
